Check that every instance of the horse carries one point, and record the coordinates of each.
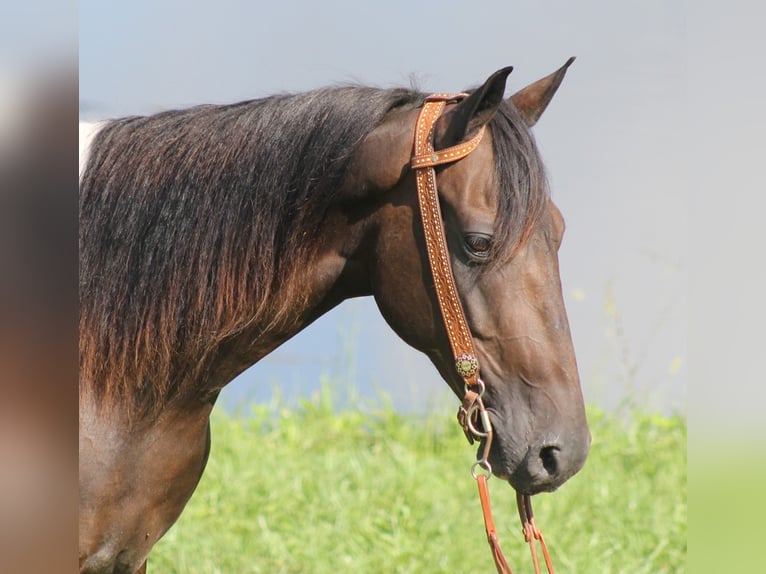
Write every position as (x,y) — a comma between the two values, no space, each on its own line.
(211,235)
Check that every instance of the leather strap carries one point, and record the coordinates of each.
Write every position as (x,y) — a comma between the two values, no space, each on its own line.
(425,155)
(489,526)
(423,161)
(532,532)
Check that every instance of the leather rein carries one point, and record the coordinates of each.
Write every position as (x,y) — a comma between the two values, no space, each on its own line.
(472,409)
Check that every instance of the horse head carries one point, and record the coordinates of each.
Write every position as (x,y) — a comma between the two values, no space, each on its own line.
(503,233)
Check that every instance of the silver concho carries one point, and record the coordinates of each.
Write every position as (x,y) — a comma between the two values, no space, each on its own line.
(466,365)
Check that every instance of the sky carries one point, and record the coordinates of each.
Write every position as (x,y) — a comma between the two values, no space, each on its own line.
(610,140)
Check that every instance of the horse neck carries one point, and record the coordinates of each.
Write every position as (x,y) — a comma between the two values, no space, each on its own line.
(340,269)
(318,285)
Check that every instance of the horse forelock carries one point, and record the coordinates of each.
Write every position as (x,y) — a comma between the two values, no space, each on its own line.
(521,181)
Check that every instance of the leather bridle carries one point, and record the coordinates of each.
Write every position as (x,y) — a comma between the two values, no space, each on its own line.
(472,409)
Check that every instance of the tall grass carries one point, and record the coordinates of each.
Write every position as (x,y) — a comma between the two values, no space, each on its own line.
(310,489)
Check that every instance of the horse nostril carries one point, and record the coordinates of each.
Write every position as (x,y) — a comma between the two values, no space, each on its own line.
(549,456)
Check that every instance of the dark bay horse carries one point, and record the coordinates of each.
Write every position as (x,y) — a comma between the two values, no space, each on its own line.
(211,235)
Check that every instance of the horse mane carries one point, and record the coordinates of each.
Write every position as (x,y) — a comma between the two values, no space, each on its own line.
(195,224)
(522,184)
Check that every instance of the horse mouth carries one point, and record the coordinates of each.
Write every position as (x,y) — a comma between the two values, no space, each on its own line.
(534,474)
(537,466)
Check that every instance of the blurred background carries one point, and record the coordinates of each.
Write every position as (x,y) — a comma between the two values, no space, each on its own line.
(654,147)
(609,140)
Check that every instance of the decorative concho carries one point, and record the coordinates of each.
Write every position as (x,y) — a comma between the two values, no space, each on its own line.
(466,365)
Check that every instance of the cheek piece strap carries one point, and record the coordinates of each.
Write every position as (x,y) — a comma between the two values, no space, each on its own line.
(472,410)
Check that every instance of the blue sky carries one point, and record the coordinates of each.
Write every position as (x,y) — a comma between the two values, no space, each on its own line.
(610,141)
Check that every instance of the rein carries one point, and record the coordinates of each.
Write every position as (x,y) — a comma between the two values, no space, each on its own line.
(472,409)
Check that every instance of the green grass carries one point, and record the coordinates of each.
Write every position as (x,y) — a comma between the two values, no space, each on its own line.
(308,489)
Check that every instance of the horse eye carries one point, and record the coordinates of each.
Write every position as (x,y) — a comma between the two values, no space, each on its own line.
(478,245)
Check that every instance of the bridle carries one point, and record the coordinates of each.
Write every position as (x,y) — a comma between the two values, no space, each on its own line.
(472,409)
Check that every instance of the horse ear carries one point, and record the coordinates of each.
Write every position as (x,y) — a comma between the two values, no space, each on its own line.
(532,100)
(472,113)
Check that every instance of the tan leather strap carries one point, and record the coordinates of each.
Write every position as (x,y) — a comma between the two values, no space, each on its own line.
(532,532)
(425,155)
(489,526)
(423,160)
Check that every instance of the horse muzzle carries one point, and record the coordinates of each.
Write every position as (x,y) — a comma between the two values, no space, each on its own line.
(541,465)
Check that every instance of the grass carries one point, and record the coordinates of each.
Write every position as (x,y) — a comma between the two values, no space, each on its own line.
(308,489)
